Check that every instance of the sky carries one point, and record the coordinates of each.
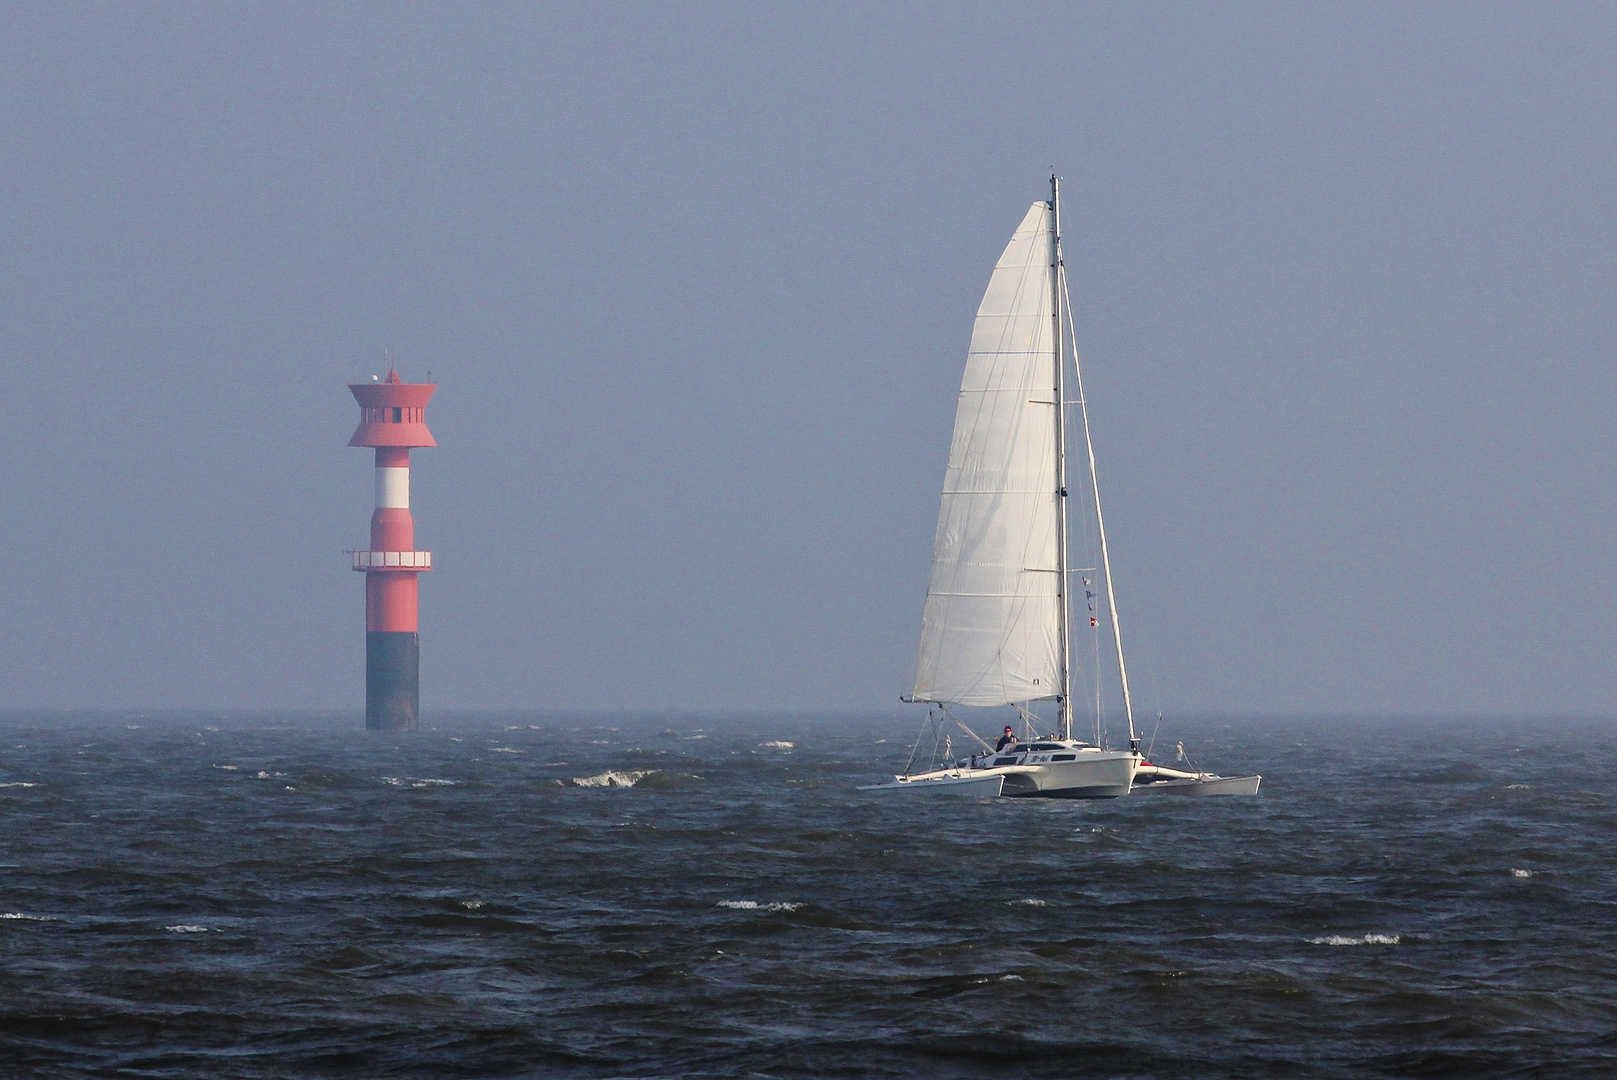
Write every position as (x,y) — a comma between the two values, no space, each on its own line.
(697,280)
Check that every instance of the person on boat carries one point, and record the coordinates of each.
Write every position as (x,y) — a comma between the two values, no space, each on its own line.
(1007,739)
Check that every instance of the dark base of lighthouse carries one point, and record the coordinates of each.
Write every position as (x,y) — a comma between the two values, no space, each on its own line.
(392,680)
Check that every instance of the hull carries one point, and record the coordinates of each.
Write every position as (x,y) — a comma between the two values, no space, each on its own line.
(1104,775)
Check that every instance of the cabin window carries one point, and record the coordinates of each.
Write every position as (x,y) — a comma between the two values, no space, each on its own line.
(398,416)
(1005,761)
(1064,757)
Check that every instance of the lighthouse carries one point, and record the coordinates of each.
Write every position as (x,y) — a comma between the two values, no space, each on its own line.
(391,420)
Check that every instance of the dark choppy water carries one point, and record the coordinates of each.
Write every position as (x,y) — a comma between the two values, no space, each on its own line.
(294,899)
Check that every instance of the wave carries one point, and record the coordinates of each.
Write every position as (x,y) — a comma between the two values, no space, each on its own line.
(1367,939)
(613,779)
(1523,873)
(1029,902)
(189,928)
(778,744)
(27,917)
(753,905)
(418,781)
(19,783)
(1460,772)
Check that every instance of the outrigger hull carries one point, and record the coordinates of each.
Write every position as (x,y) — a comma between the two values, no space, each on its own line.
(1204,786)
(1169,781)
(988,786)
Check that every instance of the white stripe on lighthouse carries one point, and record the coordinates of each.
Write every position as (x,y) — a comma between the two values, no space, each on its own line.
(393,488)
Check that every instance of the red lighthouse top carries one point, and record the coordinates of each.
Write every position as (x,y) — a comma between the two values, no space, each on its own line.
(391,413)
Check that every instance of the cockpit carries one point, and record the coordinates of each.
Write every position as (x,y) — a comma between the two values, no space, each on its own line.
(1042,752)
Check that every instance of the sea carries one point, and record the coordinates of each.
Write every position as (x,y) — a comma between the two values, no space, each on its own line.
(512,895)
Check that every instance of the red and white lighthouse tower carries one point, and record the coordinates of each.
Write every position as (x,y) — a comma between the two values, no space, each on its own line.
(391,420)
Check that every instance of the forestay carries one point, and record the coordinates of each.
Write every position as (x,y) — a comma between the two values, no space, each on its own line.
(990,634)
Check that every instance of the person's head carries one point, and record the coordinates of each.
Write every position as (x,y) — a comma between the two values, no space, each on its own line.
(1008,730)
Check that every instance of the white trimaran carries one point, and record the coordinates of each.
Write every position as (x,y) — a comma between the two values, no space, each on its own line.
(995,630)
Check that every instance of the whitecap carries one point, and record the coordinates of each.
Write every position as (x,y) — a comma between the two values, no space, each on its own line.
(612,779)
(1518,787)
(189,928)
(418,781)
(775,744)
(19,783)
(1029,902)
(262,775)
(753,905)
(471,905)
(1010,978)
(506,750)
(28,918)
(227,768)
(1523,873)
(1368,939)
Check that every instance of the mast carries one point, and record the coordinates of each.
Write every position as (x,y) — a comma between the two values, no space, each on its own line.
(1061,455)
(1100,525)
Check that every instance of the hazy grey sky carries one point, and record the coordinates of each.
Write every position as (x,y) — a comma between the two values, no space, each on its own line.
(697,283)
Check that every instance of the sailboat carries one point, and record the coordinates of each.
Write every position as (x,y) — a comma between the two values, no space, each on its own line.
(996,629)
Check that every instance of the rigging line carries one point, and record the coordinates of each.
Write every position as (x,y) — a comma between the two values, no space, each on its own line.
(980,740)
(1097,703)
(1144,649)
(963,727)
(1100,525)
(916,749)
(1029,721)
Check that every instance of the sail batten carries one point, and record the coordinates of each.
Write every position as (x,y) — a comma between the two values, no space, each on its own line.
(991,628)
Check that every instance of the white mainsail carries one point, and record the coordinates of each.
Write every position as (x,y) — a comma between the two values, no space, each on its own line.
(991,631)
